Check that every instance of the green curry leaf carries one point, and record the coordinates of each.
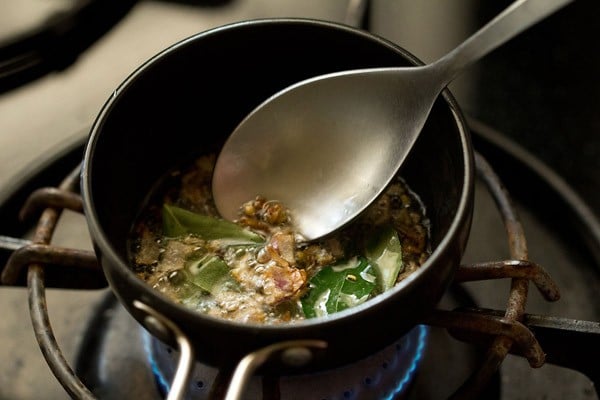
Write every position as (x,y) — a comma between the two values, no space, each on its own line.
(338,287)
(208,271)
(384,251)
(179,222)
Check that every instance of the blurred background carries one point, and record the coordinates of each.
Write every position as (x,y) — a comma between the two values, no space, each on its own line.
(536,96)
(61,59)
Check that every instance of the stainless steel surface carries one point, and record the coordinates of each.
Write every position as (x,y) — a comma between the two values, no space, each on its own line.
(52,112)
(42,118)
(328,146)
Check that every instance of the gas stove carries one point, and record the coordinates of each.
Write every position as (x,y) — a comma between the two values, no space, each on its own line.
(115,358)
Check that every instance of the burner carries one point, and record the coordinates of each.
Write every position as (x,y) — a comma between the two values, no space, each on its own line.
(118,359)
(112,359)
(385,375)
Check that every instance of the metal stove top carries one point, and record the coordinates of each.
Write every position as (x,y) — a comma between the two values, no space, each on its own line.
(50,117)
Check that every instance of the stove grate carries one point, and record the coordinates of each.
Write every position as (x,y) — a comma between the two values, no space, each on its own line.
(467,324)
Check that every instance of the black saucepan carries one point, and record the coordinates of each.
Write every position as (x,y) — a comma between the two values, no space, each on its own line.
(186,100)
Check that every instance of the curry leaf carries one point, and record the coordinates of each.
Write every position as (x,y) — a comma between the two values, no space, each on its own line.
(208,271)
(338,287)
(179,222)
(384,251)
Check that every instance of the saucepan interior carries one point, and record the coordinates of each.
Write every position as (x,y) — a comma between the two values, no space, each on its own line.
(185,102)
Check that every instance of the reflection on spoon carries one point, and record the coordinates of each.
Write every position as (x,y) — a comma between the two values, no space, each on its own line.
(328,146)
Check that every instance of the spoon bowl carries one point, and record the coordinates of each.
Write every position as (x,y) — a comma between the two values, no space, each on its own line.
(328,146)
(324,163)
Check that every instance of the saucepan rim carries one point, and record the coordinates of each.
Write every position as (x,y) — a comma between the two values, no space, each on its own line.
(101,240)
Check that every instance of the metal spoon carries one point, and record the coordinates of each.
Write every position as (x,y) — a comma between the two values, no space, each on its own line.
(328,146)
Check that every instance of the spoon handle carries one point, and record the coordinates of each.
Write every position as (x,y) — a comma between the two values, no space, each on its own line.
(519,16)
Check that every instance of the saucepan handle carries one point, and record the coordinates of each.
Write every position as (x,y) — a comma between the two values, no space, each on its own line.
(293,353)
(164,328)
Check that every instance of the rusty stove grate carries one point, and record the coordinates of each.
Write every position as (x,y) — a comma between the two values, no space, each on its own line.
(501,331)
